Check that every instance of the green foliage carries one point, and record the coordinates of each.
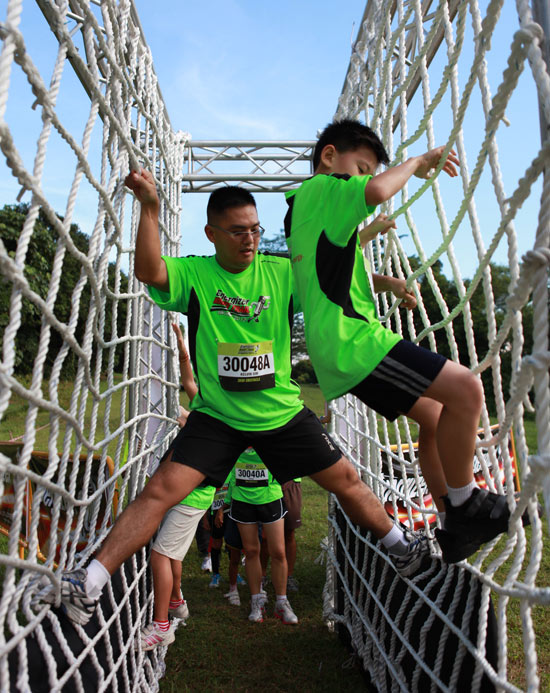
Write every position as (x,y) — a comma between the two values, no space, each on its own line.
(302,372)
(38,265)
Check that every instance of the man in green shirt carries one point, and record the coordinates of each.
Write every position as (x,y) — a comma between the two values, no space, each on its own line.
(352,352)
(239,306)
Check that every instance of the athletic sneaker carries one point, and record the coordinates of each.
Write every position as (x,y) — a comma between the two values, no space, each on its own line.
(283,610)
(74,600)
(256,612)
(233,598)
(291,584)
(417,556)
(151,636)
(240,580)
(206,565)
(479,519)
(181,611)
(215,581)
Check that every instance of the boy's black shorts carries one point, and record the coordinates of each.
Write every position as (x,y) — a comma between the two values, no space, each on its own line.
(299,448)
(400,379)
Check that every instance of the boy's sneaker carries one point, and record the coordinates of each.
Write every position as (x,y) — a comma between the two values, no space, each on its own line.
(283,611)
(233,598)
(417,556)
(240,580)
(479,519)
(256,612)
(181,611)
(215,581)
(291,584)
(151,636)
(74,600)
(206,565)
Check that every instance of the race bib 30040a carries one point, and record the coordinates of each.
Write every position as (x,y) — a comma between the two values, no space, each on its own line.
(246,367)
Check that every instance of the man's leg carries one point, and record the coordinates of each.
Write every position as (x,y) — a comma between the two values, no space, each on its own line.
(290,550)
(136,525)
(357,500)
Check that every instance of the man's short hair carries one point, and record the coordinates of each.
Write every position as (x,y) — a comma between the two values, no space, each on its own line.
(227,197)
(347,135)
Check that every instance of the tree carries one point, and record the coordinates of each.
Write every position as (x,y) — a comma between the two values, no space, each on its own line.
(37,271)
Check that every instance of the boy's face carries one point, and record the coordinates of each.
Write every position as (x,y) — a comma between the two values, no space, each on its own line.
(231,235)
(358,162)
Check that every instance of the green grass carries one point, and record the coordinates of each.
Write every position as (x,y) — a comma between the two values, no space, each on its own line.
(13,422)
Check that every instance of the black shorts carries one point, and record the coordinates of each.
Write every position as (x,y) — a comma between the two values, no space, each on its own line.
(400,379)
(299,448)
(250,514)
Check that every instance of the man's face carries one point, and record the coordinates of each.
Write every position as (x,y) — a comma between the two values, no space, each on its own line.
(359,162)
(235,252)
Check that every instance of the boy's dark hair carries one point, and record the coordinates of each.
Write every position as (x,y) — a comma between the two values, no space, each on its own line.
(227,197)
(347,135)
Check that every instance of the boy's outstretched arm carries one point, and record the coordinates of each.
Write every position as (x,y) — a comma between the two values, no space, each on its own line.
(149,267)
(387,184)
(398,287)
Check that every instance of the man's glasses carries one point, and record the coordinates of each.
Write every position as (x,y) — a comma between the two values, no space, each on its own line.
(255,233)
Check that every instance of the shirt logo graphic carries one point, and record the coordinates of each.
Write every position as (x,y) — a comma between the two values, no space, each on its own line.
(241,309)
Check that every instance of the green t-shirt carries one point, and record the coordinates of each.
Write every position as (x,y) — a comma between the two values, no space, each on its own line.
(344,337)
(239,337)
(251,481)
(201,497)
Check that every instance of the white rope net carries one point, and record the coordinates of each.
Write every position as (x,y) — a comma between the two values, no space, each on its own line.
(85,449)
(423,75)
(99,432)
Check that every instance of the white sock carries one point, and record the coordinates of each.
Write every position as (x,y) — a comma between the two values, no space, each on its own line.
(457,496)
(395,541)
(96,579)
(280,598)
(442,519)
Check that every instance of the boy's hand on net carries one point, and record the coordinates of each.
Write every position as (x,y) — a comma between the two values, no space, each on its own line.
(380,225)
(142,184)
(430,160)
(398,287)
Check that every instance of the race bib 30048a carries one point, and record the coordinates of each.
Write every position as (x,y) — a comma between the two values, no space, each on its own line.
(246,367)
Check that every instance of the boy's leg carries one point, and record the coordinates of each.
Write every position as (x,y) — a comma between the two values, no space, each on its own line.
(426,414)
(461,394)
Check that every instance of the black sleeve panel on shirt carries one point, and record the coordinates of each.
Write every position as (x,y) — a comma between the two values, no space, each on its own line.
(291,324)
(334,266)
(288,216)
(193,317)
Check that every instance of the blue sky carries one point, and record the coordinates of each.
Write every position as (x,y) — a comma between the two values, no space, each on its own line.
(239,69)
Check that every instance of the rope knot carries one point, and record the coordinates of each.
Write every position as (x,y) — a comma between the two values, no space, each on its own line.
(536,258)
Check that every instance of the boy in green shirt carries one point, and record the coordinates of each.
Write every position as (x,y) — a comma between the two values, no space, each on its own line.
(353,353)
